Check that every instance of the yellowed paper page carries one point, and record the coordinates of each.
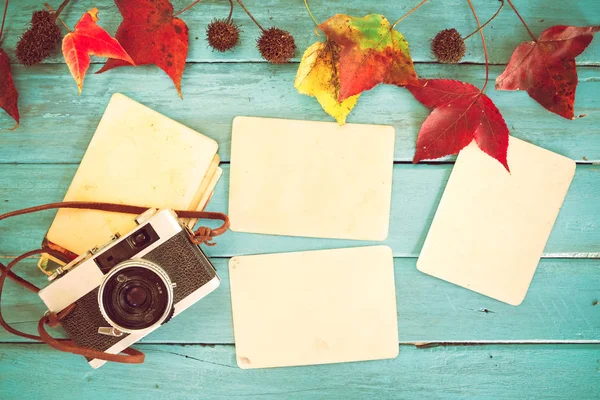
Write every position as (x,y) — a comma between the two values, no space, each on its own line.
(137,156)
(490,228)
(315,179)
(314,307)
(205,190)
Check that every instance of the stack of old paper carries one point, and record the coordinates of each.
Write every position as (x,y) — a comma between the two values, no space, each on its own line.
(139,157)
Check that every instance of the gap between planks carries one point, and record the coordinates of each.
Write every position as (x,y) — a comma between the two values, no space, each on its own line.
(432,162)
(553,256)
(418,345)
(297,61)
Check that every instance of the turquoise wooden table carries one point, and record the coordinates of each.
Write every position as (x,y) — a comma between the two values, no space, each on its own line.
(453,343)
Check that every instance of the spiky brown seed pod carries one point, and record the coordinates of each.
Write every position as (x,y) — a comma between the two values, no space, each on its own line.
(222,35)
(40,40)
(448,46)
(276,45)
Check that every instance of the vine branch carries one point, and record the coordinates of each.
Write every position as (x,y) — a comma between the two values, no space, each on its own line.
(59,18)
(186,8)
(317,29)
(250,15)
(488,21)
(309,13)
(522,21)
(3,19)
(408,13)
(230,10)
(60,8)
(485,53)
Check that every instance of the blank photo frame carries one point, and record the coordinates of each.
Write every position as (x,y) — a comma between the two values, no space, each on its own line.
(314,307)
(313,179)
(491,226)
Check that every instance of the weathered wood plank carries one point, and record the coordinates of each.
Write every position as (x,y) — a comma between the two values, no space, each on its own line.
(416,193)
(503,34)
(562,302)
(559,307)
(176,372)
(56,124)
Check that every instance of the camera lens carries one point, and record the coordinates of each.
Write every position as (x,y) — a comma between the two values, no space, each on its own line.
(135,296)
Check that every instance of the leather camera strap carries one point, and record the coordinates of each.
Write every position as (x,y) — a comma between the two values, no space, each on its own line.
(203,235)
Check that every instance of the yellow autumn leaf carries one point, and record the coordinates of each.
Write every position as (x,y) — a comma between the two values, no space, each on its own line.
(318,76)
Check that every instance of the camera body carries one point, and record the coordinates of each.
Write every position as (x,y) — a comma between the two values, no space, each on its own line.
(130,286)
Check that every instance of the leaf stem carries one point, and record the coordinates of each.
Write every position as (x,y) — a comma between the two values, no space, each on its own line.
(250,15)
(407,14)
(489,20)
(485,53)
(3,19)
(522,21)
(230,10)
(309,13)
(317,29)
(60,8)
(59,18)
(186,8)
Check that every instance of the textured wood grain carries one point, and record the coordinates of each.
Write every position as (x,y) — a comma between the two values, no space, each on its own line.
(503,34)
(417,190)
(559,307)
(57,125)
(176,372)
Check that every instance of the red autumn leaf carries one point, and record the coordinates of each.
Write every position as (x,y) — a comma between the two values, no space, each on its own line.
(89,39)
(8,94)
(546,68)
(371,52)
(460,114)
(151,35)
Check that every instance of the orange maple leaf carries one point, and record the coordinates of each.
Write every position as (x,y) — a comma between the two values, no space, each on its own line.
(89,39)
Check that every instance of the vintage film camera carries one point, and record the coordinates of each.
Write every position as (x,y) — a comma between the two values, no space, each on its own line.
(131,285)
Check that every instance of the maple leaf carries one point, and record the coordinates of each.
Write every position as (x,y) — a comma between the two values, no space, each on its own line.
(318,76)
(546,68)
(88,38)
(151,35)
(461,113)
(8,93)
(371,52)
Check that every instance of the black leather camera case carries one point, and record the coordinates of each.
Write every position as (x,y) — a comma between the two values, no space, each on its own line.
(184,262)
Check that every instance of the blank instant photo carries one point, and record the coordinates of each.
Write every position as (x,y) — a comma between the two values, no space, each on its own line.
(491,226)
(314,307)
(313,179)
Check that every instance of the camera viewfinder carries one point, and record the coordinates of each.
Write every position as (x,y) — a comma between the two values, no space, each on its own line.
(127,248)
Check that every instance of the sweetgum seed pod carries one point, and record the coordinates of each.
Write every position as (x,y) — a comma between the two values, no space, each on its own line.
(448,47)
(222,35)
(40,40)
(276,45)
